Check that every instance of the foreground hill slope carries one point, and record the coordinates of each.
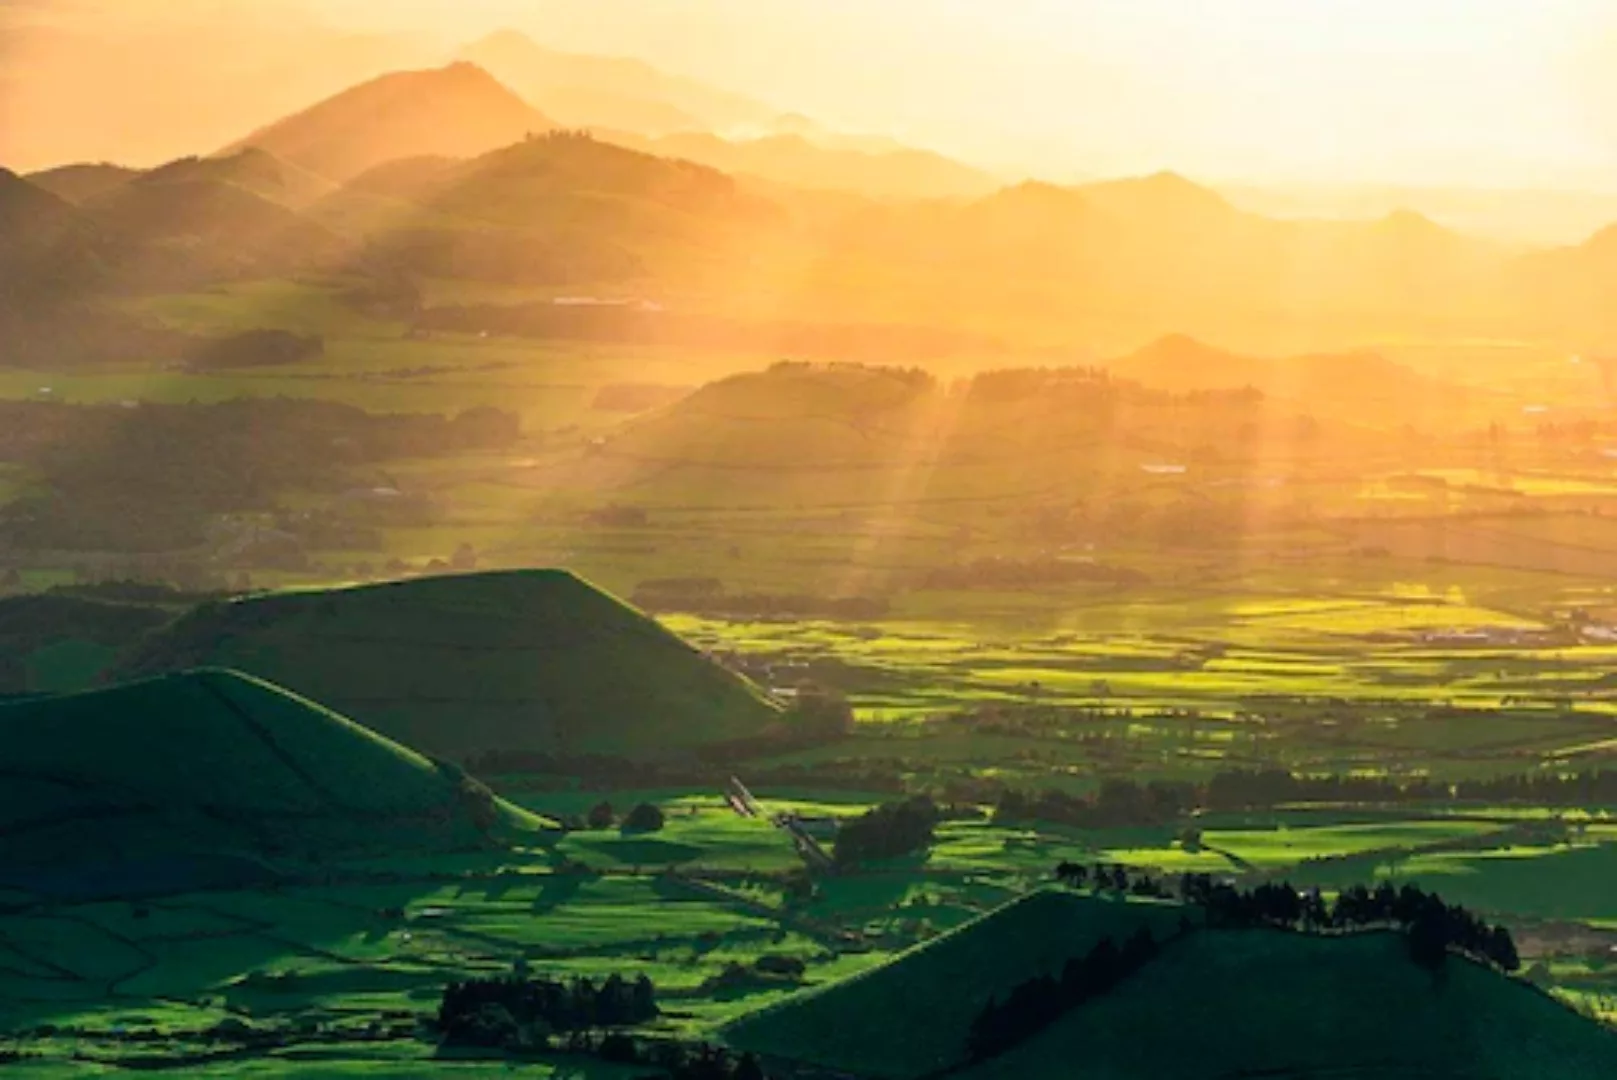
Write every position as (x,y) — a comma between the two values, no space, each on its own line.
(523,661)
(1271,1004)
(910,1017)
(457,111)
(212,763)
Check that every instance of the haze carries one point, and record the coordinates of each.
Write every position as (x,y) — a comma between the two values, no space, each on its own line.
(1494,93)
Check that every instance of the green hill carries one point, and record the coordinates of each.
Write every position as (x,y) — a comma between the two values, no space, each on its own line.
(1270,1004)
(522,661)
(51,643)
(910,1016)
(211,764)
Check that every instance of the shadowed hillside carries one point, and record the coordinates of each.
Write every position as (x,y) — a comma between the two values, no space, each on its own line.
(557,209)
(79,183)
(457,111)
(1265,1003)
(848,434)
(910,1016)
(212,763)
(524,661)
(51,642)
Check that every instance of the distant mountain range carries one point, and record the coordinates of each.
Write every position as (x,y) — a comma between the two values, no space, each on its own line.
(599,91)
(897,173)
(457,111)
(448,173)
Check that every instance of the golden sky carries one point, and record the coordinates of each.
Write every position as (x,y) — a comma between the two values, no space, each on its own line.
(1483,92)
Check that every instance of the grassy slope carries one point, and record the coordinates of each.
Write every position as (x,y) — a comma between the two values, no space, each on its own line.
(911,1015)
(1262,1003)
(210,762)
(527,660)
(60,643)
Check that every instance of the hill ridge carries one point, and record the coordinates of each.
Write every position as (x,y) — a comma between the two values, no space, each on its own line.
(516,661)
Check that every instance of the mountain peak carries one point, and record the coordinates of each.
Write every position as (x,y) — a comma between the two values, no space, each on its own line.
(1158,193)
(458,110)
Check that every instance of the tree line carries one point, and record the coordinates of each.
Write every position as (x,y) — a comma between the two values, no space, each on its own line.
(1039,1002)
(522,1013)
(1122,802)
(1432,928)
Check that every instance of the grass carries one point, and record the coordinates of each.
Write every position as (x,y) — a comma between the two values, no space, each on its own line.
(534,661)
(909,1016)
(212,762)
(1265,1003)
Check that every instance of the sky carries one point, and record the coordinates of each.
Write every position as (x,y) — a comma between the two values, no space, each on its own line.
(1475,92)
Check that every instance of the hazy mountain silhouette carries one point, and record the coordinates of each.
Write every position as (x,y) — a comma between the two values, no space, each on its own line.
(76,183)
(47,247)
(802,162)
(1345,384)
(600,91)
(456,111)
(555,208)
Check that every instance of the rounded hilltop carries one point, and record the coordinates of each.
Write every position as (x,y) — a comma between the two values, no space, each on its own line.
(534,662)
(214,763)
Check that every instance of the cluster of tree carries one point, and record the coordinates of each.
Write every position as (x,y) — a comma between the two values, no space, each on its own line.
(887,831)
(1127,802)
(1434,928)
(679,1062)
(1116,803)
(1039,1002)
(915,378)
(1096,386)
(1110,877)
(1259,789)
(522,1013)
(256,348)
(1009,573)
(648,324)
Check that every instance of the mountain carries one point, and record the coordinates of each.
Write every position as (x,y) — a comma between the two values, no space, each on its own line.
(556,209)
(838,434)
(49,250)
(611,92)
(800,161)
(1121,261)
(195,772)
(1269,1003)
(910,1016)
(251,169)
(78,183)
(1361,387)
(1570,290)
(522,662)
(457,111)
(191,223)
